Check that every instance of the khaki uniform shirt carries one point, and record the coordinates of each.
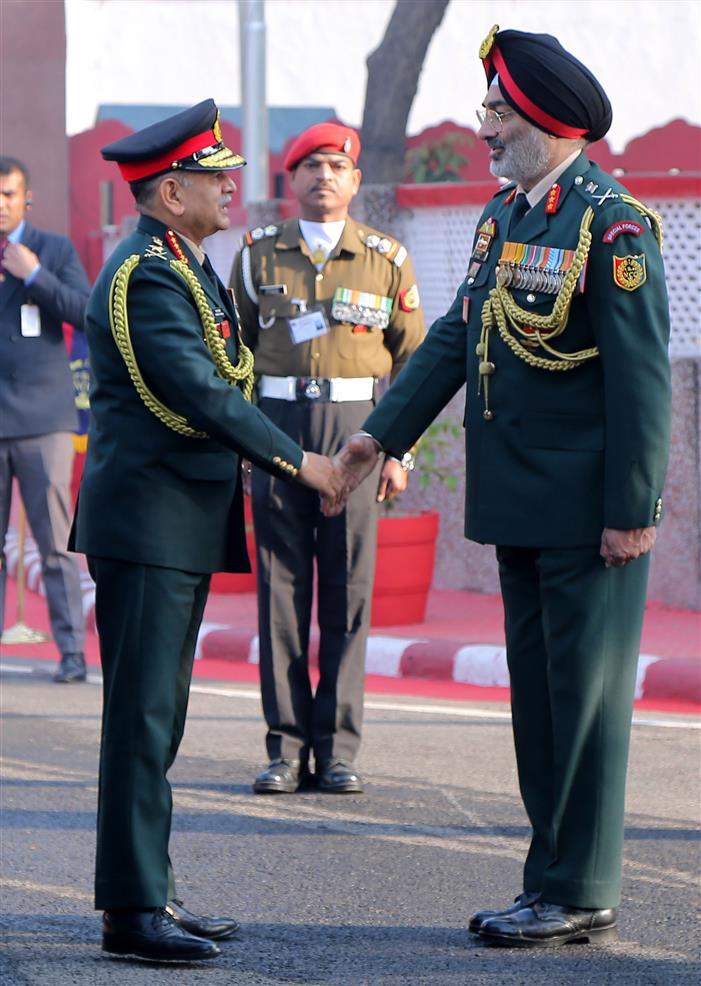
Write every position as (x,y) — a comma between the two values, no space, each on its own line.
(278,260)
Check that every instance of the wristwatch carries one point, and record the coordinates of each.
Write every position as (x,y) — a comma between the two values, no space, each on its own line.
(407,461)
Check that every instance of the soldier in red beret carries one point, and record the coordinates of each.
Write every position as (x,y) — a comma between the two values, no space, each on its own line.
(329,307)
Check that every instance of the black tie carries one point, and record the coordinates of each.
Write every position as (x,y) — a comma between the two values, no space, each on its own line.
(209,270)
(519,210)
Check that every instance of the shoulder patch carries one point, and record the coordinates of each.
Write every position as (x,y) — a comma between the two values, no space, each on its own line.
(260,233)
(630,272)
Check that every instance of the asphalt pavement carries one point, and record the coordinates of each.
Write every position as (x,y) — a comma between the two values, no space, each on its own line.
(366,890)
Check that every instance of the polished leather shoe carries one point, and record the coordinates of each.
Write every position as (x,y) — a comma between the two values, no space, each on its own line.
(214,928)
(523,900)
(282,776)
(337,777)
(545,925)
(153,935)
(71,669)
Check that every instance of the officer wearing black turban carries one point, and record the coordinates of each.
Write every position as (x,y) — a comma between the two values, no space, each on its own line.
(547,86)
(560,330)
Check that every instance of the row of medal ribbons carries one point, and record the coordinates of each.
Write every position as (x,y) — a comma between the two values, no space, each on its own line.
(361,308)
(534,268)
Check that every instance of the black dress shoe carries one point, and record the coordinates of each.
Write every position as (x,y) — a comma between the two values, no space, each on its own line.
(214,928)
(153,935)
(545,925)
(523,900)
(71,669)
(337,777)
(282,776)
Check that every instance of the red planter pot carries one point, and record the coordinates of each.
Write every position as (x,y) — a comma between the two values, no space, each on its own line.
(406,552)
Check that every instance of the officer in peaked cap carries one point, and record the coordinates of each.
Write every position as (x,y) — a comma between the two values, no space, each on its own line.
(160,505)
(560,331)
(329,306)
(188,141)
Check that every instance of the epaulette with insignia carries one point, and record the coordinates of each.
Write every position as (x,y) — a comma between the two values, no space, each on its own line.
(156,248)
(390,249)
(602,194)
(259,233)
(594,193)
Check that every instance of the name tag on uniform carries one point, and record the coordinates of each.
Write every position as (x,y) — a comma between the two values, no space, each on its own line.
(309,325)
(30,321)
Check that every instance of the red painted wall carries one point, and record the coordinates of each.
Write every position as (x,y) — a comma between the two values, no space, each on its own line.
(33,102)
(664,149)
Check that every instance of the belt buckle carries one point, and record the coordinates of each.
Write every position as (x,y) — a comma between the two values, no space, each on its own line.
(312,391)
(309,388)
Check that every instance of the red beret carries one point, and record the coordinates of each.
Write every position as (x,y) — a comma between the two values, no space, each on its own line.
(323,137)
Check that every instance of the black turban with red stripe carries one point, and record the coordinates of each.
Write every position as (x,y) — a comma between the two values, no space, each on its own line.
(546,85)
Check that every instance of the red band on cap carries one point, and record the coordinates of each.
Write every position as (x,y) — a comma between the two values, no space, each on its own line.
(543,119)
(134,170)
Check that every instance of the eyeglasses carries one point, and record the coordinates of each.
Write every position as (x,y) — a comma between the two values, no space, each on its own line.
(493,119)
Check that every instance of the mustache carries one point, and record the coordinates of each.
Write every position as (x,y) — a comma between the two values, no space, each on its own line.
(225,199)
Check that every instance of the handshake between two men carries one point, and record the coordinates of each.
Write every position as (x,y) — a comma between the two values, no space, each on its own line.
(336,478)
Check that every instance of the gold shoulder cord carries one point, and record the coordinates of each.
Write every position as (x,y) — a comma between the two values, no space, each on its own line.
(119,323)
(242,372)
(538,330)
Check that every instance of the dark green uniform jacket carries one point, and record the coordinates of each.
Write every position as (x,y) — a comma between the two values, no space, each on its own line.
(553,455)
(150,495)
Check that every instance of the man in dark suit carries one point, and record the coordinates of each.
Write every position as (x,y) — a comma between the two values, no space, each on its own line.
(42,285)
(160,505)
(560,330)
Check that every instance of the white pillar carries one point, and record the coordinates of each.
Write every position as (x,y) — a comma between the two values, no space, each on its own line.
(254,118)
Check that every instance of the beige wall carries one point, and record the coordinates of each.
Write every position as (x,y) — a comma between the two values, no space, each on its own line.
(33,103)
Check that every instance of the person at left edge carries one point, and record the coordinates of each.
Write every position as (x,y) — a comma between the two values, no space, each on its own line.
(160,505)
(42,285)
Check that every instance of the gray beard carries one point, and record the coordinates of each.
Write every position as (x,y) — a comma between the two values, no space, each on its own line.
(526,159)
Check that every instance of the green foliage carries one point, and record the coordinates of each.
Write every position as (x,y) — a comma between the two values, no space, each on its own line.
(430,466)
(440,160)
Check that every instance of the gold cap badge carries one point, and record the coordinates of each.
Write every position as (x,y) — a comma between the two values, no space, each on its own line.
(488,42)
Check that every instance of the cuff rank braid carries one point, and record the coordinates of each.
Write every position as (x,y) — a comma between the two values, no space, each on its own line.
(537,330)
(241,373)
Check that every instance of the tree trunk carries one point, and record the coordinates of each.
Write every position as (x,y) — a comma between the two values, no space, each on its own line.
(393,77)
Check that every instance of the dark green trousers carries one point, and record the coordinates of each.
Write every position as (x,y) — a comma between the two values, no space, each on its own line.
(148,619)
(573,634)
